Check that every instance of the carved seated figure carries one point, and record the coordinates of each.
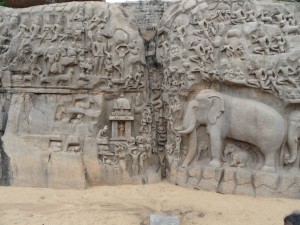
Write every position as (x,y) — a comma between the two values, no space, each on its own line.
(102,136)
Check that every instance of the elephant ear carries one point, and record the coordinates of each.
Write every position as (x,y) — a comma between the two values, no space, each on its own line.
(216,108)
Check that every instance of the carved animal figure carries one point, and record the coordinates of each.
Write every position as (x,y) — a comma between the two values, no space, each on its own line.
(239,157)
(293,135)
(289,29)
(66,78)
(236,118)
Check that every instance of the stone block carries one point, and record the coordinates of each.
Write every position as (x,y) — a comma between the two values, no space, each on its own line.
(269,180)
(66,170)
(182,176)
(243,176)
(245,189)
(193,181)
(227,185)
(286,181)
(195,172)
(29,169)
(154,177)
(91,162)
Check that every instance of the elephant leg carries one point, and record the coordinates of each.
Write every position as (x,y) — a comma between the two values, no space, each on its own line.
(269,165)
(192,149)
(296,164)
(217,147)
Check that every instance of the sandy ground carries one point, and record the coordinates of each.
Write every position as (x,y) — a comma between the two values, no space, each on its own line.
(130,205)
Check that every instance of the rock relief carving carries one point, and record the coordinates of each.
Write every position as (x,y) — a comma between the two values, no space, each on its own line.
(240,51)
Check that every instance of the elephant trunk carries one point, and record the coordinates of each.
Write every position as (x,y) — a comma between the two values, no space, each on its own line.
(189,121)
(192,149)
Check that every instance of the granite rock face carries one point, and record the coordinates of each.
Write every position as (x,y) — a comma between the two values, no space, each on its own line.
(230,83)
(210,100)
(80,112)
(29,3)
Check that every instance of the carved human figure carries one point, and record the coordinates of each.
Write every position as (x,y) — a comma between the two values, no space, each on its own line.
(237,14)
(138,79)
(52,58)
(199,49)
(102,134)
(135,161)
(203,29)
(285,74)
(240,52)
(122,50)
(57,29)
(46,32)
(143,157)
(121,128)
(98,21)
(249,13)
(260,76)
(228,50)
(35,29)
(263,41)
(34,63)
(149,150)
(24,30)
(146,121)
(129,81)
(280,43)
(99,48)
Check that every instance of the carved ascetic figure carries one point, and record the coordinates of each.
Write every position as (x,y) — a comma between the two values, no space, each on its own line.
(240,119)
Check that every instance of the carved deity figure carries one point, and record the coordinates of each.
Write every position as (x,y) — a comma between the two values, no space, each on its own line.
(99,48)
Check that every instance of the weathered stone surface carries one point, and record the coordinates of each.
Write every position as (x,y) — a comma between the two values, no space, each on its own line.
(287,180)
(28,3)
(66,170)
(182,176)
(243,177)
(245,189)
(195,172)
(227,185)
(193,181)
(266,179)
(208,99)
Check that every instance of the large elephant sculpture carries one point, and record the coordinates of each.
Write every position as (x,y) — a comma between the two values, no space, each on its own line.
(240,119)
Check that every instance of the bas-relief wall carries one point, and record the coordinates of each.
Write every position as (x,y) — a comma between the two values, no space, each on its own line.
(209,98)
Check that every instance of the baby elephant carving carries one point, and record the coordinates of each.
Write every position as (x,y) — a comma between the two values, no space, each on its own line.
(239,157)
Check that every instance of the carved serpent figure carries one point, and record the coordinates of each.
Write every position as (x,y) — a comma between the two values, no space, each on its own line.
(230,117)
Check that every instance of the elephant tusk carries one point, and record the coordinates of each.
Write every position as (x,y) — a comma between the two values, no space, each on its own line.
(178,128)
(188,130)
